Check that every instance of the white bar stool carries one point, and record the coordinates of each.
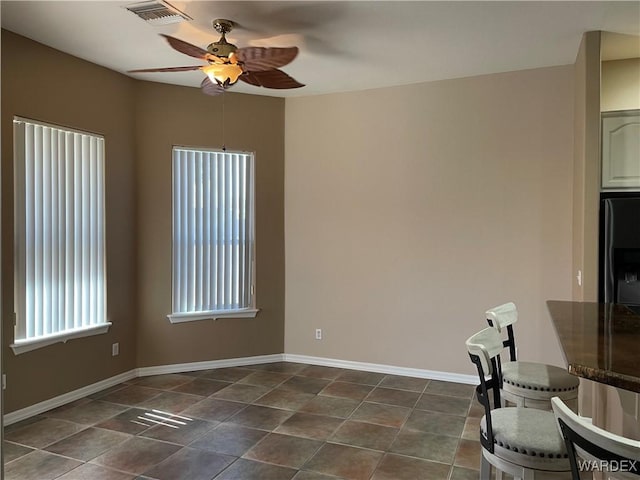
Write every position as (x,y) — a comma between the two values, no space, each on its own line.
(522,442)
(603,451)
(529,384)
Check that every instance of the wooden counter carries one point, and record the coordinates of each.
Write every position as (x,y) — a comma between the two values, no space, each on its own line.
(600,342)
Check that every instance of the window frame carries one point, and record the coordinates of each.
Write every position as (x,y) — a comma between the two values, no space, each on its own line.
(249,311)
(22,345)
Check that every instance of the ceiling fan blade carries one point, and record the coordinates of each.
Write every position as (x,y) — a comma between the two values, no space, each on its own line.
(270,79)
(211,88)
(167,69)
(259,59)
(186,48)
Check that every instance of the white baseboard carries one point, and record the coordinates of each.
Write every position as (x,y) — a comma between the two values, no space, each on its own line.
(381,368)
(41,407)
(65,398)
(68,397)
(194,366)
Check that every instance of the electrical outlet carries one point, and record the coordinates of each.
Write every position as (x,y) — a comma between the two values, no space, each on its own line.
(318,334)
(115,349)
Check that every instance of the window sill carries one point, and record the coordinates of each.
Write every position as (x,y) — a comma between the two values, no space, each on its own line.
(27,345)
(195,316)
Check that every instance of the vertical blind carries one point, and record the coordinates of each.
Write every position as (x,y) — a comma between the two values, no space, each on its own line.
(212,230)
(60,230)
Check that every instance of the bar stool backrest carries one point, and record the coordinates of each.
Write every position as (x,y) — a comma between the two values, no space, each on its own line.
(604,451)
(484,350)
(503,317)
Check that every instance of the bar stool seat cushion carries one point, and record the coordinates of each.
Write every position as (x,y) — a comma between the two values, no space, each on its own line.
(538,376)
(526,436)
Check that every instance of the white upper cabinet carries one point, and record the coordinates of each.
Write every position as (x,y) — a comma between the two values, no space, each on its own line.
(621,150)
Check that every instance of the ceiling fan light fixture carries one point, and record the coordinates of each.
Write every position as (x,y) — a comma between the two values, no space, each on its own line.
(224,74)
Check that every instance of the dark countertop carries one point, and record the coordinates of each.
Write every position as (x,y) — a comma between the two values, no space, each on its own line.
(600,342)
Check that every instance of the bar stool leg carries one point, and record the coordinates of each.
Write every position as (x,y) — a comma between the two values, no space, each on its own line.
(528,475)
(485,469)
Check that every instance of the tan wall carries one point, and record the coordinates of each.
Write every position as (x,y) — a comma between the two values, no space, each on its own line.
(140,121)
(586,79)
(411,210)
(77,94)
(169,115)
(586,166)
(621,85)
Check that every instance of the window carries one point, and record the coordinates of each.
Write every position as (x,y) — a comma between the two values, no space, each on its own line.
(213,223)
(60,287)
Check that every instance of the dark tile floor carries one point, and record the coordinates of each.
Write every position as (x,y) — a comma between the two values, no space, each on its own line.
(275,421)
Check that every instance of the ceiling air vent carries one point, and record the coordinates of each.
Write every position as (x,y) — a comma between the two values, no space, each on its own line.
(157,12)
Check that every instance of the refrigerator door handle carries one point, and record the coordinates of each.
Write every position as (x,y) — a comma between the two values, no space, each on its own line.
(609,278)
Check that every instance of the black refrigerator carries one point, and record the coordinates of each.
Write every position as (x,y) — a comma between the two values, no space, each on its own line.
(620,249)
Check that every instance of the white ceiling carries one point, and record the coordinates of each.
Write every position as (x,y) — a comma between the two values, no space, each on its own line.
(344,45)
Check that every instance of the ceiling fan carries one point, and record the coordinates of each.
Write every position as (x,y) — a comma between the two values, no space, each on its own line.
(226,63)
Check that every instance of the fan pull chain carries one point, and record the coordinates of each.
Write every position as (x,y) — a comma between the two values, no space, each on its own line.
(224,146)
